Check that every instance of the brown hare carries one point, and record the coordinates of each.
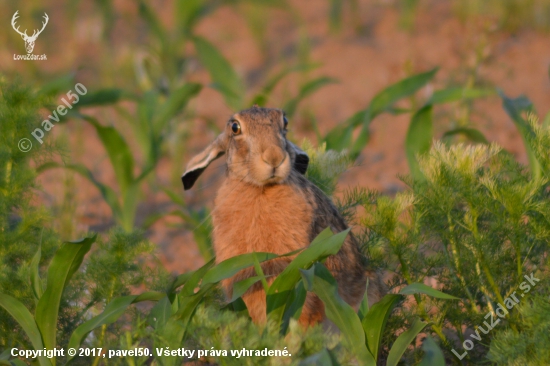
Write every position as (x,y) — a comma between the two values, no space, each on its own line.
(267,205)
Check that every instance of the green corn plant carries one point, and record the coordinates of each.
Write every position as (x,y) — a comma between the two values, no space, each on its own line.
(285,297)
(341,136)
(516,109)
(150,132)
(475,222)
(420,131)
(231,86)
(41,328)
(365,334)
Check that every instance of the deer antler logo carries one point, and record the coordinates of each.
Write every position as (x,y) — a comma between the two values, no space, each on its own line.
(29,41)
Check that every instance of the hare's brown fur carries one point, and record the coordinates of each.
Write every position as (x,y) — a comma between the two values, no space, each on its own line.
(266,205)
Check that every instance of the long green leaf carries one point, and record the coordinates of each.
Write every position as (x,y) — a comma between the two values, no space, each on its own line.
(262,97)
(364,306)
(471,133)
(239,288)
(231,266)
(306,90)
(375,320)
(420,288)
(101,97)
(64,264)
(281,290)
(172,333)
(160,313)
(456,94)
(432,353)
(384,100)
(58,85)
(13,362)
(175,103)
(296,300)
(340,136)
(515,108)
(110,314)
(419,138)
(35,274)
(319,280)
(195,278)
(109,195)
(223,75)
(322,358)
(119,153)
(403,341)
(25,320)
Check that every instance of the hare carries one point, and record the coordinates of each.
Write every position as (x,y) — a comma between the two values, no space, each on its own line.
(266,204)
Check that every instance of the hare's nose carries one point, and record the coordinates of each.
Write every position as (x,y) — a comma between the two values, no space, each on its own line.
(273,156)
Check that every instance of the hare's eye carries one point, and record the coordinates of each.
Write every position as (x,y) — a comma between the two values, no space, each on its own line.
(285,121)
(236,128)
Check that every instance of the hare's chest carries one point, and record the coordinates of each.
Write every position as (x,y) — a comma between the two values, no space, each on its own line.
(276,219)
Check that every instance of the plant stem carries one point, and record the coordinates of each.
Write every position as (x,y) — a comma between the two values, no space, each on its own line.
(104,326)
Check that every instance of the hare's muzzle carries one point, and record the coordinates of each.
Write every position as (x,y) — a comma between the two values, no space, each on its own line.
(274,156)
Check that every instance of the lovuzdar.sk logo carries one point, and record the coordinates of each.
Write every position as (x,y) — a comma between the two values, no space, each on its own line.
(29,40)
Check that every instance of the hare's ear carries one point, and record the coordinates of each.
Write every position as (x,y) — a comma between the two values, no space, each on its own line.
(199,162)
(301,160)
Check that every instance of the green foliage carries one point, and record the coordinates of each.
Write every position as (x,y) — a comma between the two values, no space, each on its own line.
(472,223)
(22,224)
(476,222)
(325,167)
(528,345)
(41,328)
(227,330)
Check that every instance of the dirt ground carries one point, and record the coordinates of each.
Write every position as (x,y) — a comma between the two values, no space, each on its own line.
(364,61)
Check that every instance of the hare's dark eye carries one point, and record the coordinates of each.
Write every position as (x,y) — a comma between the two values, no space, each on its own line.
(236,128)
(285,121)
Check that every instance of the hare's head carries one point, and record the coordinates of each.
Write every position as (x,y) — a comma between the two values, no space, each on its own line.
(257,149)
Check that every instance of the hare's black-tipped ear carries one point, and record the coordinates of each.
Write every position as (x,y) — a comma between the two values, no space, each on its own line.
(200,162)
(301,161)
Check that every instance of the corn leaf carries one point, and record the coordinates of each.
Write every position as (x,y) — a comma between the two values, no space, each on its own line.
(35,274)
(223,75)
(239,288)
(456,94)
(281,290)
(110,314)
(101,97)
(231,266)
(26,321)
(174,104)
(322,358)
(340,137)
(472,134)
(305,91)
(432,354)
(375,321)
(119,153)
(420,288)
(403,341)
(515,108)
(319,280)
(108,194)
(64,264)
(419,138)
